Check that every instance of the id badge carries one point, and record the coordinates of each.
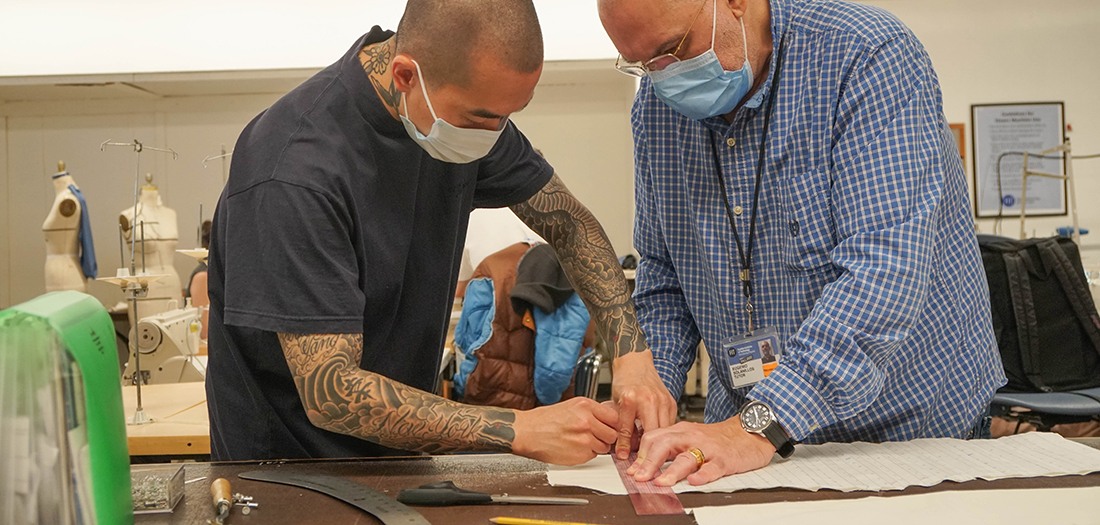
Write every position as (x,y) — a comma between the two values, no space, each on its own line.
(752,357)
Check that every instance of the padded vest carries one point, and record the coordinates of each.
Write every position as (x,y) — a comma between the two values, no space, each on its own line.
(504,375)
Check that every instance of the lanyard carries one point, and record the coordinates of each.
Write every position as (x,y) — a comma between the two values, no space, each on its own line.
(746,256)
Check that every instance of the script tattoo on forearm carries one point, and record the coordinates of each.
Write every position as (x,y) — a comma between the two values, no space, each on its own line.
(586,255)
(341,397)
(376,61)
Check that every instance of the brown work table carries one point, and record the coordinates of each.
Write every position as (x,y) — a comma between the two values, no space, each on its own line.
(499,473)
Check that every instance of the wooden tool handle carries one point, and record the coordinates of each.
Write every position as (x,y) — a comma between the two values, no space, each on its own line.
(219,489)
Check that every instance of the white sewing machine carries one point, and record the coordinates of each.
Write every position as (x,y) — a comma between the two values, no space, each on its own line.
(169,346)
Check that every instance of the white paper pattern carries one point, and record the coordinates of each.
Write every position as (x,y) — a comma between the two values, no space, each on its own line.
(885,466)
(1029,506)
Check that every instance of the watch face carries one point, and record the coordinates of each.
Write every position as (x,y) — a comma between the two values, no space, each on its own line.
(756,416)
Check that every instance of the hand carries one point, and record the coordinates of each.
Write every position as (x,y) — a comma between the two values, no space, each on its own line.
(567,433)
(727,447)
(640,394)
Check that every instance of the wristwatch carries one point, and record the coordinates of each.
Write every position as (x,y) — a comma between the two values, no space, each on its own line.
(758,418)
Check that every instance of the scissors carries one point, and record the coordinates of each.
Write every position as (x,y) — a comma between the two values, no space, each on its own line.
(446,494)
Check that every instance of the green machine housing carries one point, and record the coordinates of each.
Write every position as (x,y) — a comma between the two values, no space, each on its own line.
(75,326)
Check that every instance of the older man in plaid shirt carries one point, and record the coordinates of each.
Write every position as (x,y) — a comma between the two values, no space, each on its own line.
(795,176)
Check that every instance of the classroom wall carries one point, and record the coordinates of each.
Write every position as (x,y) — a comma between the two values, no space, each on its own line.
(41,133)
(995,51)
(985,51)
(5,234)
(585,134)
(582,126)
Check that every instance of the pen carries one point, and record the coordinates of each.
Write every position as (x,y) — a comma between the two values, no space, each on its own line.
(524,521)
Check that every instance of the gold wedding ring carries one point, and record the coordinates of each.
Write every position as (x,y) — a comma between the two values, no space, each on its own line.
(699,457)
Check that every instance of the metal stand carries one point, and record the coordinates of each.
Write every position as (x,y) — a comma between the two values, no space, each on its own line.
(135,286)
(225,165)
(1067,154)
(134,290)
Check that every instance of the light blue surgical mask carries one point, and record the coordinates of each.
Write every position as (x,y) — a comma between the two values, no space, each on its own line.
(699,88)
(445,141)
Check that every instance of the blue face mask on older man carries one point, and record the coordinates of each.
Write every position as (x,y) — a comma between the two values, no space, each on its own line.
(699,88)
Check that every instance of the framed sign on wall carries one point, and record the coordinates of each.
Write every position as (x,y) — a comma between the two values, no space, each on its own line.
(1002,133)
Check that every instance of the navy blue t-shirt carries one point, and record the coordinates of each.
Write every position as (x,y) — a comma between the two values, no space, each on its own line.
(335,221)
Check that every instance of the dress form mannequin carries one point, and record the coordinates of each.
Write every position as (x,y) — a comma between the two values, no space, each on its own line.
(161,236)
(62,228)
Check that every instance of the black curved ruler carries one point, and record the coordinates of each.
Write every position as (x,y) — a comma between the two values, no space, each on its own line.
(371,501)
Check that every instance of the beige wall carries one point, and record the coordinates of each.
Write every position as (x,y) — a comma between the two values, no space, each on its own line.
(994,51)
(985,51)
(581,125)
(41,133)
(5,234)
(585,134)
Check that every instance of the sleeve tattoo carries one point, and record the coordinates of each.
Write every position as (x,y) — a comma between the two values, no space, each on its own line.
(340,397)
(586,255)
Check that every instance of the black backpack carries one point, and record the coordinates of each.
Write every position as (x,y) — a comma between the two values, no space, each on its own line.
(1044,318)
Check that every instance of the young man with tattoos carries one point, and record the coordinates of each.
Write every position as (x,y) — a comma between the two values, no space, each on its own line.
(337,242)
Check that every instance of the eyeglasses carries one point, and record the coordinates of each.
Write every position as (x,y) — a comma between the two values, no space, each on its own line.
(659,62)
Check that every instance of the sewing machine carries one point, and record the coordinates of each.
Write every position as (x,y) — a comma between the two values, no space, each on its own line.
(169,346)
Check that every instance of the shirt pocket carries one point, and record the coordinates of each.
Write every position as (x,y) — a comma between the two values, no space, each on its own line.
(808,230)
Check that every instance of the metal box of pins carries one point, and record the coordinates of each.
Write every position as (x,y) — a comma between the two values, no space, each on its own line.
(156,488)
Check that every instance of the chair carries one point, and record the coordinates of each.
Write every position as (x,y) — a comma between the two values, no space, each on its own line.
(1049,408)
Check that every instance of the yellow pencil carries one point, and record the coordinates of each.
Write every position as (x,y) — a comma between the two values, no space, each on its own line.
(524,521)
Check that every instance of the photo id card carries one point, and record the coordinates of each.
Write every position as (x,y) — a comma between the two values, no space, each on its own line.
(752,357)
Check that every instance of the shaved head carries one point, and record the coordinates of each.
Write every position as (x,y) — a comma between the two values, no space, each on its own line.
(447,36)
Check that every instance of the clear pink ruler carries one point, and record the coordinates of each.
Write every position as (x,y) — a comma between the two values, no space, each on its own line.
(648,498)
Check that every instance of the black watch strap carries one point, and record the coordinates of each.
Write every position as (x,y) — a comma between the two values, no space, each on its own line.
(783,444)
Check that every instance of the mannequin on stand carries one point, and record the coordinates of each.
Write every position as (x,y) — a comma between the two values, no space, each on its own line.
(70,256)
(161,236)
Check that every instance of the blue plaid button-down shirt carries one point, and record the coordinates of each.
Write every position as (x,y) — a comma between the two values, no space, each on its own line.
(865,261)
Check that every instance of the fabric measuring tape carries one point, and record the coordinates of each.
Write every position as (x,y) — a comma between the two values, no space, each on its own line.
(371,501)
(648,498)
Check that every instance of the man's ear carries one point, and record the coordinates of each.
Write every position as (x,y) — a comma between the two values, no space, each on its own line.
(738,7)
(405,77)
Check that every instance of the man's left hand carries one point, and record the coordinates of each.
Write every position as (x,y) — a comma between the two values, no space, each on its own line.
(726,447)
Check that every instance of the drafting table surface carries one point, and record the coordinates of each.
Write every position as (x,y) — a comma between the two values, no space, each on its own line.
(500,473)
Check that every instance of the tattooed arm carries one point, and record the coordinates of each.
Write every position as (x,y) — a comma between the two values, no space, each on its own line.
(338,396)
(586,255)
